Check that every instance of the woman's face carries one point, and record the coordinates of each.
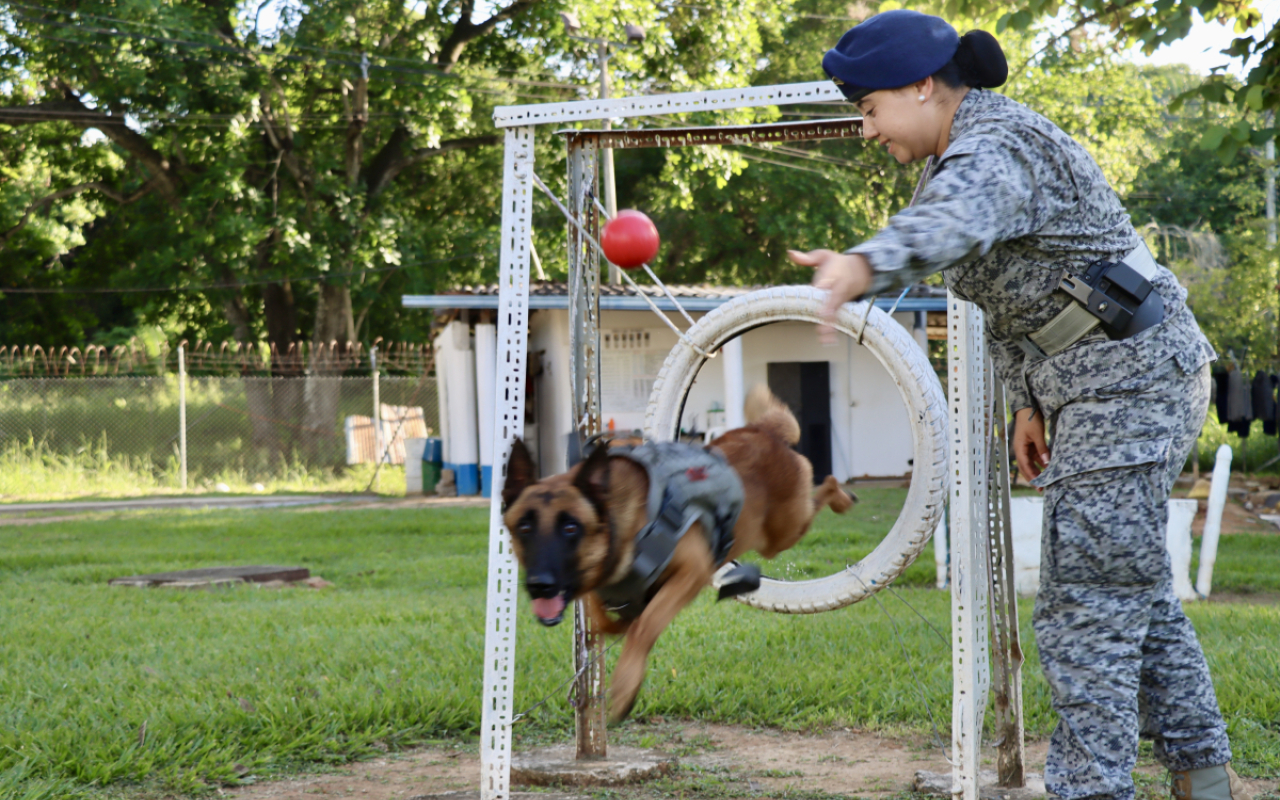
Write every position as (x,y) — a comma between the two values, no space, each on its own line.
(899,120)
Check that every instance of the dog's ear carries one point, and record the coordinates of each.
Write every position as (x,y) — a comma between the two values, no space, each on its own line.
(520,473)
(593,479)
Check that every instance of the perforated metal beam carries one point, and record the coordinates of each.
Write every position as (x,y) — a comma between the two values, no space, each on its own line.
(508,422)
(970,656)
(678,103)
(773,132)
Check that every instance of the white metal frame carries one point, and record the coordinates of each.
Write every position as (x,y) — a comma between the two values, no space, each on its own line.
(968,420)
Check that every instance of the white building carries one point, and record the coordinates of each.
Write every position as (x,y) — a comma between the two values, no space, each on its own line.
(853,421)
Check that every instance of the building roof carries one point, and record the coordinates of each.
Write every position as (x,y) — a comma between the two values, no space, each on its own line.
(621,297)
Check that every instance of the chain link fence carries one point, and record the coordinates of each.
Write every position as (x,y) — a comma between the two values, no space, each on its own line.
(240,428)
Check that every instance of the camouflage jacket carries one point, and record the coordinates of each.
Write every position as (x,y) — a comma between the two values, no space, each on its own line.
(1012,203)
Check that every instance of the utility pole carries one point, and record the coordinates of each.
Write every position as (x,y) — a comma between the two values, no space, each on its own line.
(606,156)
(1270,153)
(635,35)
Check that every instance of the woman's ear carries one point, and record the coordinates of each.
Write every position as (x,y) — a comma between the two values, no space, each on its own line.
(924,89)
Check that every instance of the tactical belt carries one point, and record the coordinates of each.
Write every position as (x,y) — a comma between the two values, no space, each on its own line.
(1117,297)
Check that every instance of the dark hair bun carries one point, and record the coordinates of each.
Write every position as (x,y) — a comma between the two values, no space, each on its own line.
(981,61)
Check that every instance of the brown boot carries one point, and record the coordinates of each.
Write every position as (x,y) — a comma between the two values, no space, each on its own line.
(1211,783)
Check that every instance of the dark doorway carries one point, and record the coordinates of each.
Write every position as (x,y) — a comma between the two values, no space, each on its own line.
(805,386)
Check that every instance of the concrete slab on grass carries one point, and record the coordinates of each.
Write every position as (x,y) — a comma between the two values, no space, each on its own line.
(557,766)
(197,502)
(939,783)
(215,576)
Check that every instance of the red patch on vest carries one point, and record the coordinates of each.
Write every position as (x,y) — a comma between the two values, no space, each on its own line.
(695,474)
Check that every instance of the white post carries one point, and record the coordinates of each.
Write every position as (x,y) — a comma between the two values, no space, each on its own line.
(486,376)
(941,554)
(377,407)
(460,373)
(735,394)
(508,423)
(1213,519)
(182,416)
(969,516)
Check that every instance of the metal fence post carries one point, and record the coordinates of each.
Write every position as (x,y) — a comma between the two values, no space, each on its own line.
(377,414)
(182,416)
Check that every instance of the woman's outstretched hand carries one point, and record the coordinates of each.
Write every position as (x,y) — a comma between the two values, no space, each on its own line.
(843,276)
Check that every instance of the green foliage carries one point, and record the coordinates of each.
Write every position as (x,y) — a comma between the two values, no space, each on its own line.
(1148,24)
(1236,305)
(286,191)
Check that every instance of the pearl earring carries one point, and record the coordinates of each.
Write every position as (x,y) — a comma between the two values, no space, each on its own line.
(920,98)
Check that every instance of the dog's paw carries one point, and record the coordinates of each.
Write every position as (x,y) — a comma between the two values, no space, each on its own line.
(851,499)
(742,579)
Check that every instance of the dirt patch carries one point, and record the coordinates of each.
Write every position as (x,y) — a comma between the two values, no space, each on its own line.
(425,771)
(842,762)
(715,761)
(1235,519)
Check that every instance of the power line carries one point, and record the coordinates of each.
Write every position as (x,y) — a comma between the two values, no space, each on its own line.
(233,284)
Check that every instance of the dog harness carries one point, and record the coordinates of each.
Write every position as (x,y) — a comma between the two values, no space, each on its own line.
(687,484)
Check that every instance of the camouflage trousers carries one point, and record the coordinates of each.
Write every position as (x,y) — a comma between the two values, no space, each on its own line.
(1121,658)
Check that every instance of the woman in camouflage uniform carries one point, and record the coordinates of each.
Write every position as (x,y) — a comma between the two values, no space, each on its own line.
(1014,214)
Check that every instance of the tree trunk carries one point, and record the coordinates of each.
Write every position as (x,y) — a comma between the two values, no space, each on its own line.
(333,334)
(334,321)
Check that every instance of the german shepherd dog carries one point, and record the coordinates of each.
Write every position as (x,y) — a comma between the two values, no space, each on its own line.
(574,533)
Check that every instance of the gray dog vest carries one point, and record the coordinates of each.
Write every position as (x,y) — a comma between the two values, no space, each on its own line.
(687,484)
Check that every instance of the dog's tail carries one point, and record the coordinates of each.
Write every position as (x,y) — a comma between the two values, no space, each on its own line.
(766,411)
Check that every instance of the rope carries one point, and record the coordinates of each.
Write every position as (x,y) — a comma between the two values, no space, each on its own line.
(578,224)
(656,279)
(572,679)
(915,195)
(938,741)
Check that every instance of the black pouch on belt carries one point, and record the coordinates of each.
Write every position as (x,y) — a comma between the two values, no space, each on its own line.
(1117,294)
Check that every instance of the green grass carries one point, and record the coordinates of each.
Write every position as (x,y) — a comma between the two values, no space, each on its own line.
(118,437)
(242,684)
(34,471)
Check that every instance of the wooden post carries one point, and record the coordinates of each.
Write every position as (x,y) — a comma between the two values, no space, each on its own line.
(1006,645)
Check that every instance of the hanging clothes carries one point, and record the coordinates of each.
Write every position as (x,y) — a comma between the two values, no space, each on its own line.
(1239,404)
(1218,393)
(1269,426)
(1262,399)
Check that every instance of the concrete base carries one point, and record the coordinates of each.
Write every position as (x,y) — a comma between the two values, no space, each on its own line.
(556,766)
(939,783)
(515,795)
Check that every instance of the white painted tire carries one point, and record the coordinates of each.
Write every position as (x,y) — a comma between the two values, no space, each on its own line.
(926,408)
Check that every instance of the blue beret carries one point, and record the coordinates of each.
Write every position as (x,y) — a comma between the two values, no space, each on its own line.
(889,50)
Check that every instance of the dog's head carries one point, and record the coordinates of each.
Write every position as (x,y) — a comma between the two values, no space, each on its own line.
(559,529)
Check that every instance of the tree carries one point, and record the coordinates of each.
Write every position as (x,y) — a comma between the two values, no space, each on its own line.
(288,173)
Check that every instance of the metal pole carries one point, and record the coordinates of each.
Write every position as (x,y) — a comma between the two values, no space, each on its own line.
(584,382)
(1006,643)
(377,412)
(606,155)
(182,416)
(1270,152)
(1271,191)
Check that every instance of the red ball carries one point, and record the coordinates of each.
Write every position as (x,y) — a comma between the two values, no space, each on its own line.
(630,239)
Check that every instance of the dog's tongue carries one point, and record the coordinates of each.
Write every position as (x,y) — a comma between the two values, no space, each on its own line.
(548,607)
